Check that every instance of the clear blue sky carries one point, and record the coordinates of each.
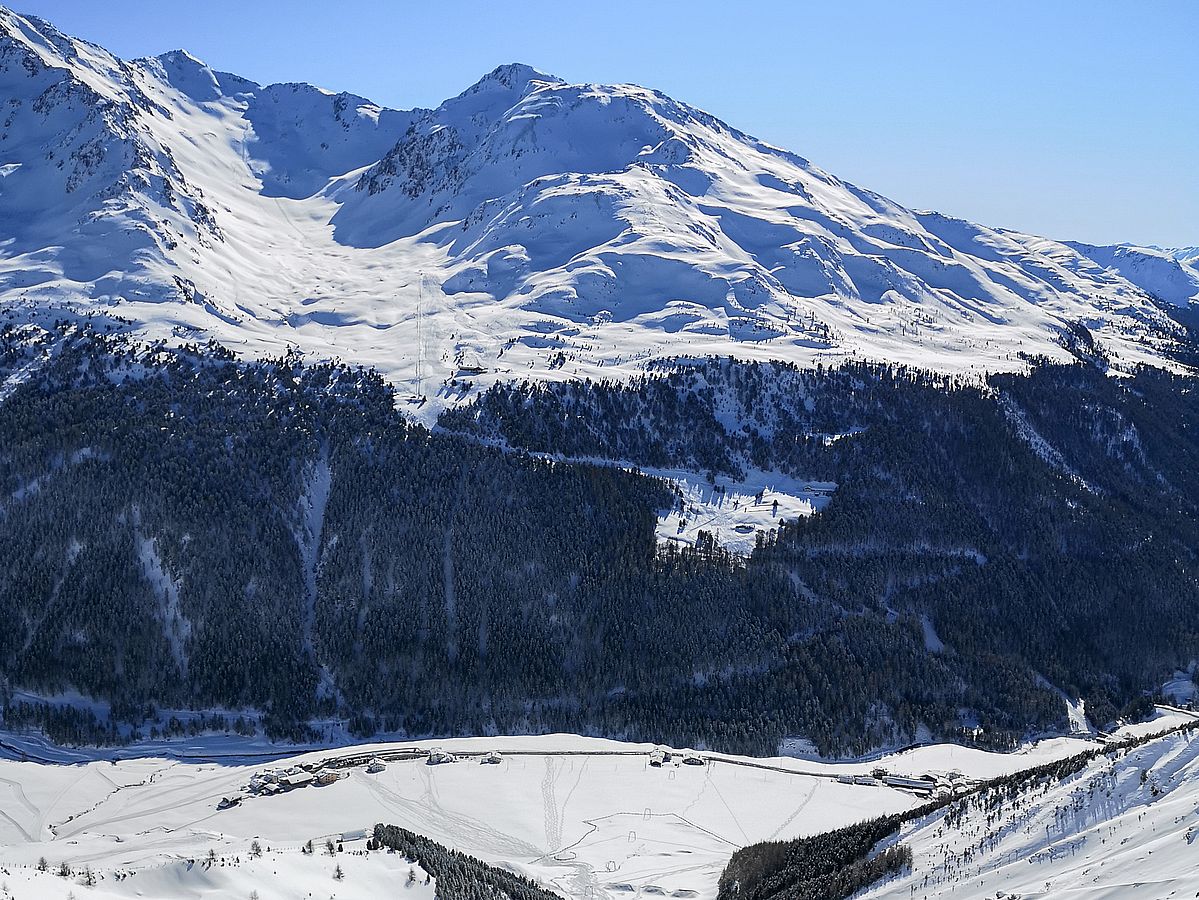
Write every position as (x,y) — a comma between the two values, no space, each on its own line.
(1071,118)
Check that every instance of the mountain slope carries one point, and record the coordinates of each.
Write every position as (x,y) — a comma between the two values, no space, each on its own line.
(90,199)
(1187,255)
(1170,277)
(1087,824)
(544,228)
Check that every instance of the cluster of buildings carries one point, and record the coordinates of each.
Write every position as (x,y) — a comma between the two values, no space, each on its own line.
(437,757)
(278,781)
(936,785)
(660,756)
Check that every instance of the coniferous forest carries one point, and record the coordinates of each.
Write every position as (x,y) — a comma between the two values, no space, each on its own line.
(184,530)
(458,876)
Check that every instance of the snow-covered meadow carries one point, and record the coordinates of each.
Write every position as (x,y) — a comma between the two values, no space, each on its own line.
(586,817)
(734,511)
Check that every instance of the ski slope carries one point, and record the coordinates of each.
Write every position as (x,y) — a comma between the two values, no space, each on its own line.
(585,817)
(1122,829)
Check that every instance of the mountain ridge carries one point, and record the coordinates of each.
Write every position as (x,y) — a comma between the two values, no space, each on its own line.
(539,228)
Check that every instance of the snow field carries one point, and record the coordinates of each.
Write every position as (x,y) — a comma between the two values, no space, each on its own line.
(275,875)
(587,817)
(1123,828)
(734,511)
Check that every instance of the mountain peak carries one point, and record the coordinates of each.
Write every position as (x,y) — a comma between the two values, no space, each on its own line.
(34,32)
(512,77)
(187,74)
(180,57)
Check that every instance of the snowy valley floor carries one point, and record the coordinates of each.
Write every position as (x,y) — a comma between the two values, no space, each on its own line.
(588,818)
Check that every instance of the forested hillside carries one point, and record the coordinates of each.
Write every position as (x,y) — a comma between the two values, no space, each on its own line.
(1046,522)
(182,529)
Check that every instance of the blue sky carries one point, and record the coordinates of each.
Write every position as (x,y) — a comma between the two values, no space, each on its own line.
(1077,119)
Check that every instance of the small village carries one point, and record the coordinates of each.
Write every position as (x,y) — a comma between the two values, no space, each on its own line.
(323,772)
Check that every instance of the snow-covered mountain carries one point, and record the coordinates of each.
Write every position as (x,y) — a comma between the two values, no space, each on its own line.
(1187,255)
(1168,275)
(539,228)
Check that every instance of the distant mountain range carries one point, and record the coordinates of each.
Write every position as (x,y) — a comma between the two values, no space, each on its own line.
(539,228)
(1188,256)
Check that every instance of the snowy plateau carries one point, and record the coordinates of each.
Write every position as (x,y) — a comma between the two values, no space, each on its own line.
(531,228)
(527,228)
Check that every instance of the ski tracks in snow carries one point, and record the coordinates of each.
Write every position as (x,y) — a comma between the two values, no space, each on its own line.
(553,815)
(19,793)
(460,828)
(795,812)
